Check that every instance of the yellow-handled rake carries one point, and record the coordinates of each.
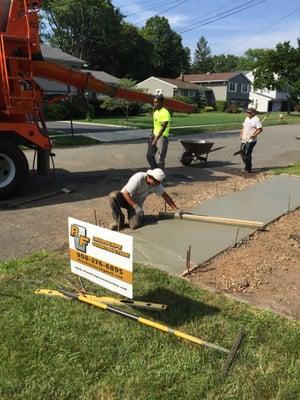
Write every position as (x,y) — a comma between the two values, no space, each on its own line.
(96,301)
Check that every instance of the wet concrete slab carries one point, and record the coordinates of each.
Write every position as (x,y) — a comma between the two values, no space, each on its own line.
(165,244)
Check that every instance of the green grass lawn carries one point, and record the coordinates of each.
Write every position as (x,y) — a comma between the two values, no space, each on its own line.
(204,118)
(58,349)
(72,141)
(292,169)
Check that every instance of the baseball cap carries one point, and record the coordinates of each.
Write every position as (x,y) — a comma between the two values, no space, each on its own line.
(157,173)
(250,109)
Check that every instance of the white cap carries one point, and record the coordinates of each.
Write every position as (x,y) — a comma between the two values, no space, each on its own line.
(157,173)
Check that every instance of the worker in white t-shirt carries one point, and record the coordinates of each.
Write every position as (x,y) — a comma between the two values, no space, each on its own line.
(133,195)
(251,128)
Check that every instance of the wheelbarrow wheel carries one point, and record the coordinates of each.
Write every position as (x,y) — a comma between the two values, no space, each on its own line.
(186,158)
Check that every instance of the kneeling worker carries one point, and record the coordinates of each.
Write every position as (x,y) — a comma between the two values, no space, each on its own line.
(133,195)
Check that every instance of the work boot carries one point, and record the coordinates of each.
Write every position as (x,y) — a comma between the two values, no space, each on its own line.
(113,226)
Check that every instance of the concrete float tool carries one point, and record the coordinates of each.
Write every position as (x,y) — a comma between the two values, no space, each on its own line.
(96,301)
(216,220)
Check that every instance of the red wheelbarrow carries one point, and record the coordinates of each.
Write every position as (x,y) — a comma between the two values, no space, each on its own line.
(196,151)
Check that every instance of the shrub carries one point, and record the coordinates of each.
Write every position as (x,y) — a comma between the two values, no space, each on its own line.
(297,107)
(54,112)
(220,105)
(208,109)
(233,109)
(184,99)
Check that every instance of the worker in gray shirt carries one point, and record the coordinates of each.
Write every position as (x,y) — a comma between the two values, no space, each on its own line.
(133,195)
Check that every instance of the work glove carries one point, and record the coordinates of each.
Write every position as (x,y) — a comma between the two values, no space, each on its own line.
(138,210)
(178,213)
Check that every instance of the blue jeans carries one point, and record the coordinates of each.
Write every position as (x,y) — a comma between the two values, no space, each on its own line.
(246,154)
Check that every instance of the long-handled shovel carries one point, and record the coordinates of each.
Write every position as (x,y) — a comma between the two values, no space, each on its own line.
(241,150)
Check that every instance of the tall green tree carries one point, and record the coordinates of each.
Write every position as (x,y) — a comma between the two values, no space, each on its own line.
(169,57)
(225,63)
(135,54)
(248,61)
(279,69)
(88,29)
(202,61)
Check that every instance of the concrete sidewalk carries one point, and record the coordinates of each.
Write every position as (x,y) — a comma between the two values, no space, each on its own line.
(103,133)
(165,244)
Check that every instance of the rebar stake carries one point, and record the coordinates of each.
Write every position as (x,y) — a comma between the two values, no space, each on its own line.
(236,237)
(95,216)
(188,259)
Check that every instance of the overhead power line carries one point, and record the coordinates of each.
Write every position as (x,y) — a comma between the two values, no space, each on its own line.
(158,5)
(196,20)
(164,11)
(223,15)
(264,30)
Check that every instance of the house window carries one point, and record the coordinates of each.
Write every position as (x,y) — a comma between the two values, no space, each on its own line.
(232,87)
(158,91)
(245,88)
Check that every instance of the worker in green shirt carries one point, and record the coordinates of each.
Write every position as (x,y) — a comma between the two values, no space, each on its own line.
(158,142)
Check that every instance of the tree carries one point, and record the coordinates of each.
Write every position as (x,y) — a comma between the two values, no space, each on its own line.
(135,54)
(225,63)
(88,29)
(169,57)
(279,69)
(120,104)
(249,60)
(202,61)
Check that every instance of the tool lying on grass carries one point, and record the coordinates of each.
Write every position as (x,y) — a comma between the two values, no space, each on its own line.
(95,301)
(106,300)
(216,220)
(42,197)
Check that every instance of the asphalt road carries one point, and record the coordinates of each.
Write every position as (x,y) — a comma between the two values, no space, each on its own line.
(276,146)
(93,171)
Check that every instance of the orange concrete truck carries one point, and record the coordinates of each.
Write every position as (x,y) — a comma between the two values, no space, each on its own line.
(21,116)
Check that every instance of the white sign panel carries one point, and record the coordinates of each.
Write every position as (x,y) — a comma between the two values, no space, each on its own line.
(101,256)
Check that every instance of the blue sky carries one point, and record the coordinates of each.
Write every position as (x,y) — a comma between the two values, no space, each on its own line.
(264,24)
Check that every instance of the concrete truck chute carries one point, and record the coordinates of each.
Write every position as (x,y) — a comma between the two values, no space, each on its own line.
(21,116)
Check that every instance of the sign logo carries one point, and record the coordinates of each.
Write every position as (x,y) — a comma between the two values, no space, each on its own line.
(80,237)
(102,256)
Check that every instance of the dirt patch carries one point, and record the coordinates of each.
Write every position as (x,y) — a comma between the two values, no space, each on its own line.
(265,268)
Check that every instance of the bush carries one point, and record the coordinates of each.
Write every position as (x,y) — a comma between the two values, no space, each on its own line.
(54,112)
(220,105)
(184,99)
(233,109)
(297,107)
(208,109)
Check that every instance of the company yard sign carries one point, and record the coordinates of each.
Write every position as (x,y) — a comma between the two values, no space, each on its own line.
(101,256)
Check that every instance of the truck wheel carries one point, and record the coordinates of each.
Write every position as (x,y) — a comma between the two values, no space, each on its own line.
(13,168)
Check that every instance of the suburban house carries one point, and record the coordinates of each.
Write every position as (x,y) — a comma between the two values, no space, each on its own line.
(51,87)
(169,87)
(104,77)
(232,87)
(55,55)
(265,100)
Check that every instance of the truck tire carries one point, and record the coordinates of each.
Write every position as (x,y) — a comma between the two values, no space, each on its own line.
(13,168)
